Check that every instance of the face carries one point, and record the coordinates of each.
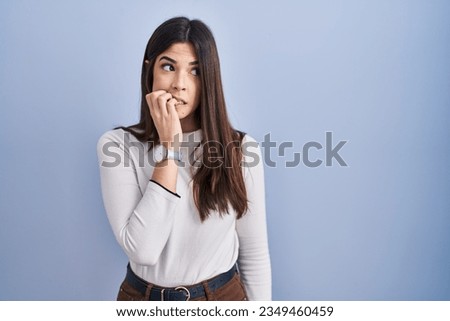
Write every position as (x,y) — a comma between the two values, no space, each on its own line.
(176,71)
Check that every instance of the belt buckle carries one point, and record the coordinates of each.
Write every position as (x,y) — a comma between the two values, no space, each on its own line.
(188,294)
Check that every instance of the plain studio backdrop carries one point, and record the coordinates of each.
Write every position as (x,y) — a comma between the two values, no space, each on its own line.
(375,74)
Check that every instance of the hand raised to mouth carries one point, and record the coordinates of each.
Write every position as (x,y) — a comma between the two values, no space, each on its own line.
(165,117)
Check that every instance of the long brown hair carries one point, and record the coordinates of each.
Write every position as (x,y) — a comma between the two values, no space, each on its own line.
(214,187)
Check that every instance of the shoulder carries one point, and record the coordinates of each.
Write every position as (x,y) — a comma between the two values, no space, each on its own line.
(244,137)
(251,154)
(115,146)
(116,137)
(113,135)
(248,139)
(250,145)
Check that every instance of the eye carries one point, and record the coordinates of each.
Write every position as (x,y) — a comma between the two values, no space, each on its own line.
(195,71)
(168,67)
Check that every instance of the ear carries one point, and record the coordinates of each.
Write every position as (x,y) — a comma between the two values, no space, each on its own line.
(146,62)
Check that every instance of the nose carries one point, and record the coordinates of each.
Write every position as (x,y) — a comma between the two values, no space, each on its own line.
(179,81)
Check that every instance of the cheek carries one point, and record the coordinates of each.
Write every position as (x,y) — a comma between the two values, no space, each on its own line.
(159,83)
(196,92)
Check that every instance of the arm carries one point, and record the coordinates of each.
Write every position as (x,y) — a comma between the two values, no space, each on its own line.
(254,260)
(162,110)
(141,222)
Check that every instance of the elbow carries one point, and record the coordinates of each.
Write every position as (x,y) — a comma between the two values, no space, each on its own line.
(148,260)
(141,253)
(144,255)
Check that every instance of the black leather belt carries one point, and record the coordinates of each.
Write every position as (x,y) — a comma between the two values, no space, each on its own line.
(180,293)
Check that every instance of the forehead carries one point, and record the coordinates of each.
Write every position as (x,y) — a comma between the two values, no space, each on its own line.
(180,52)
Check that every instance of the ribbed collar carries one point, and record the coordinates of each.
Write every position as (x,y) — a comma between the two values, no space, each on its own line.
(194,136)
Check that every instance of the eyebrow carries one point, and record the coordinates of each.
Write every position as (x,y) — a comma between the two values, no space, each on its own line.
(174,61)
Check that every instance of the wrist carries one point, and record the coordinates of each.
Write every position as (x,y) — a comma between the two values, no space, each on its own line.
(168,145)
(171,142)
(164,152)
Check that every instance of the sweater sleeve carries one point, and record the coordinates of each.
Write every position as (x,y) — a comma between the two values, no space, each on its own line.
(141,222)
(253,260)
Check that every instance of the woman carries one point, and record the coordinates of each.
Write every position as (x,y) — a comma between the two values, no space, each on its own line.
(191,220)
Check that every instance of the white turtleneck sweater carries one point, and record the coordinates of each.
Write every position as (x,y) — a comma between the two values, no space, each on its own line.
(161,232)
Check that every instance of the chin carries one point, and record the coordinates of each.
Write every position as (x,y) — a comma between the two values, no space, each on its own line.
(182,114)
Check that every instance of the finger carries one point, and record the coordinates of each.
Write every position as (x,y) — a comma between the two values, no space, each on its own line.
(171,105)
(171,108)
(151,102)
(157,93)
(162,103)
(152,97)
(174,118)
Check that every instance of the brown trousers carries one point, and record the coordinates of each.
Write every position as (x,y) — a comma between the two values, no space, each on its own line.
(233,290)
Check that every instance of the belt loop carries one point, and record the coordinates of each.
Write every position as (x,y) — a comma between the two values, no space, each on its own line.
(209,294)
(148,291)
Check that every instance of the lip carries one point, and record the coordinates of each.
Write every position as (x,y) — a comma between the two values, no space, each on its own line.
(180,100)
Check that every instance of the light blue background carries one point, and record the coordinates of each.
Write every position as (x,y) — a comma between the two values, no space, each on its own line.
(375,73)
